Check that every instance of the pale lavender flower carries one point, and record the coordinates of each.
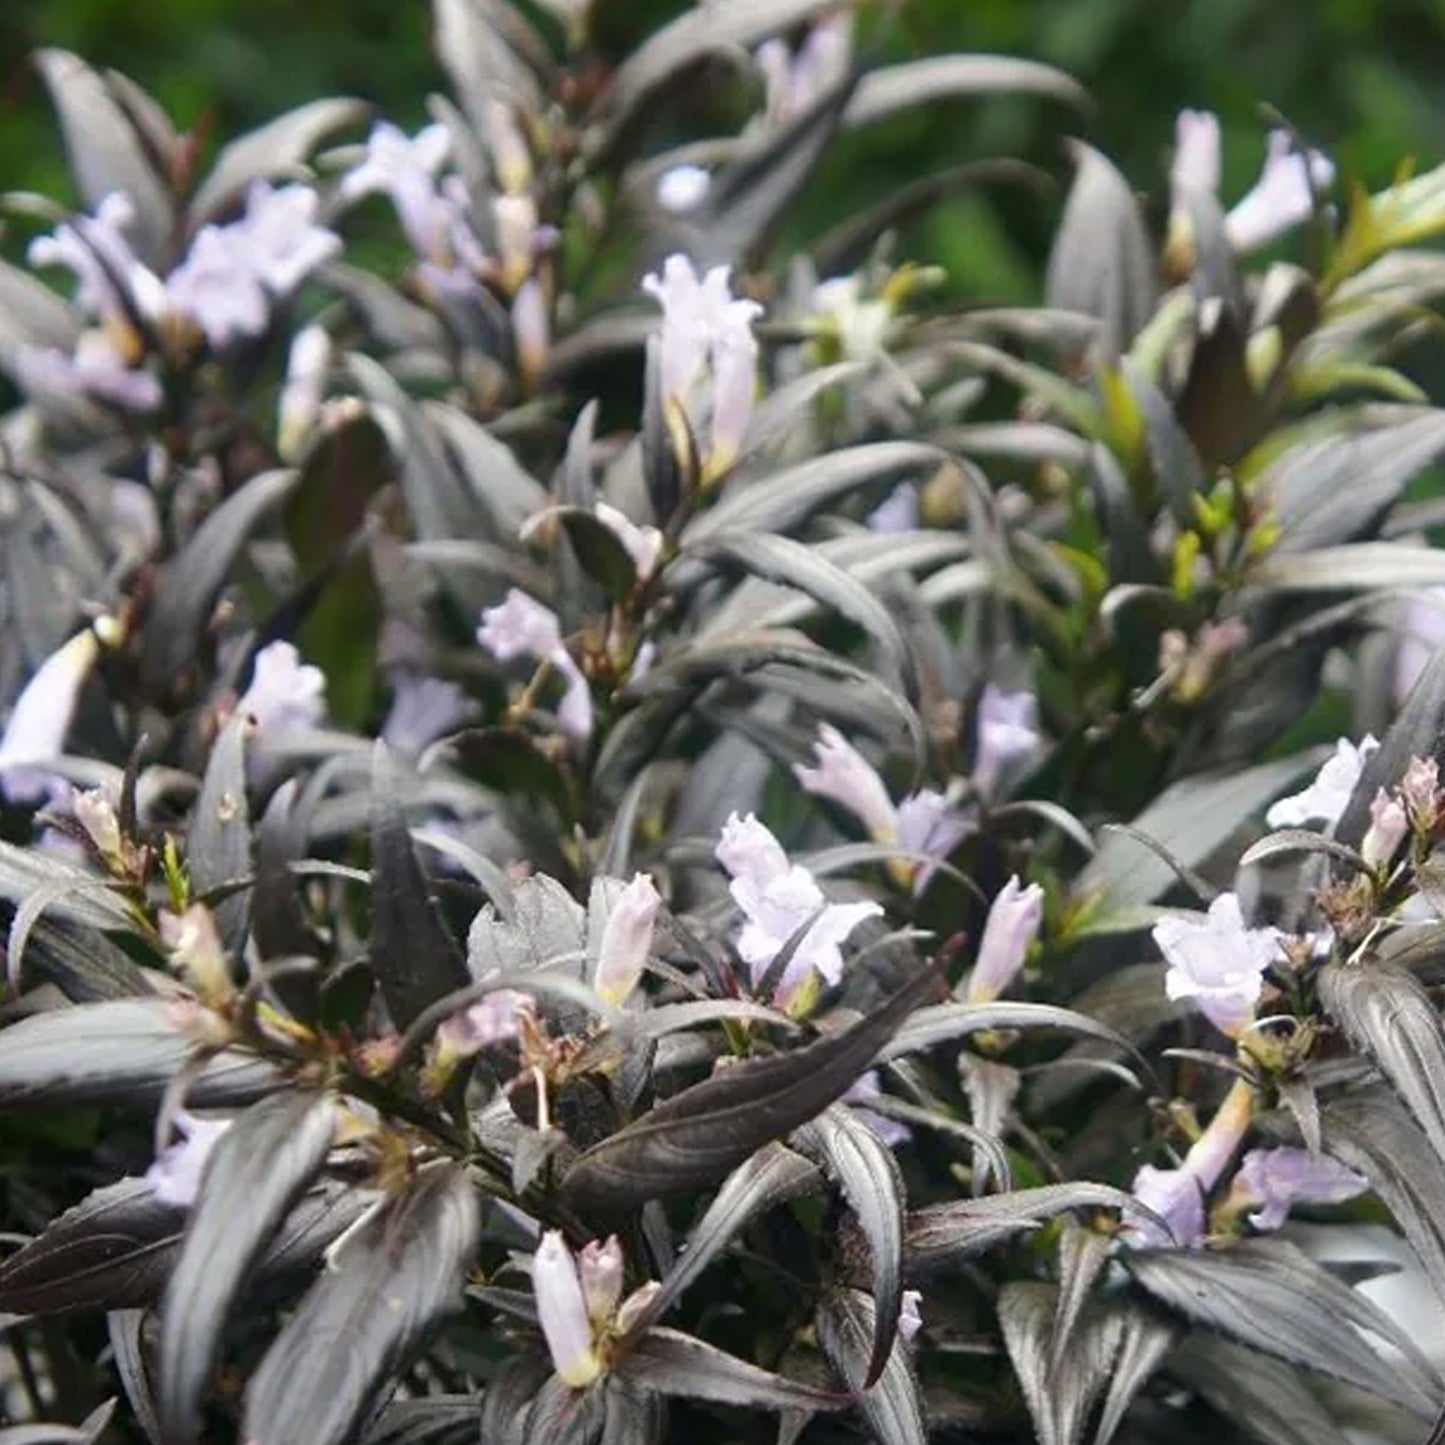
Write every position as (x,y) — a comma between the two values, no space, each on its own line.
(861,325)
(1013,923)
(1007,735)
(279,237)
(600,1271)
(575,713)
(218,289)
(562,1310)
(285,695)
(683,188)
(1282,197)
(846,777)
(626,940)
(643,544)
(175,1177)
(777,898)
(35,732)
(1277,1179)
(910,1316)
(1216,961)
(1389,823)
(928,823)
(110,279)
(490,1021)
(422,710)
(1196,152)
(794,82)
(1422,635)
(734,383)
(1325,798)
(1173,1194)
(520,626)
(307,365)
(898,512)
(406,171)
(94,371)
(860,1094)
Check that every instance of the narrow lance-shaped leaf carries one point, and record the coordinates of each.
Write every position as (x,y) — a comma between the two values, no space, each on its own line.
(697,1136)
(847,1328)
(872,1183)
(218,847)
(414,956)
(1144,1342)
(257,1172)
(364,1319)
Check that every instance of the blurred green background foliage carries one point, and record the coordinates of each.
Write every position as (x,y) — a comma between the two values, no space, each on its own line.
(1363,78)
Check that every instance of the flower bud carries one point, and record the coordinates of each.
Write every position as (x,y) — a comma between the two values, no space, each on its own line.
(1388,826)
(300,404)
(599,1267)
(562,1310)
(846,777)
(1420,790)
(196,950)
(634,1306)
(910,1317)
(94,813)
(626,940)
(1012,926)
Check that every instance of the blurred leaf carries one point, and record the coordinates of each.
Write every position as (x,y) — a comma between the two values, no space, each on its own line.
(1381,565)
(848,1331)
(600,551)
(436,1420)
(892,88)
(257,1171)
(672,1363)
(363,1319)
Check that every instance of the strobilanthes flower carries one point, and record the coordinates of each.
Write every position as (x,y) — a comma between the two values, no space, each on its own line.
(1325,798)
(1272,1181)
(520,626)
(626,941)
(1217,962)
(1013,924)
(175,1177)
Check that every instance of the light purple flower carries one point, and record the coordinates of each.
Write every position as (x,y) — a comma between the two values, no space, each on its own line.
(1277,1179)
(626,940)
(175,1177)
(1007,735)
(1389,823)
(928,823)
(1013,924)
(218,289)
(846,777)
(406,170)
(683,188)
(777,898)
(531,327)
(861,1093)
(110,280)
(1420,792)
(1216,961)
(1282,197)
(307,365)
(520,626)
(279,238)
(94,371)
(1325,798)
(490,1021)
(898,512)
(562,1310)
(423,709)
(36,729)
(643,544)
(1176,1196)
(1422,635)
(285,695)
(794,82)
(910,1315)
(600,1271)
(1196,152)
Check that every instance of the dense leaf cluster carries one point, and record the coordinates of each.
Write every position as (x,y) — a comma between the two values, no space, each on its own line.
(601,837)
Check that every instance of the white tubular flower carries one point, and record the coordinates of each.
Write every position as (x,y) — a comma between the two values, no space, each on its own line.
(40,719)
(406,170)
(1216,961)
(928,823)
(1196,152)
(1282,197)
(794,82)
(515,218)
(599,1268)
(109,277)
(520,626)
(750,852)
(286,694)
(910,1316)
(844,775)
(627,940)
(196,950)
(307,365)
(511,158)
(683,188)
(686,323)
(1325,798)
(279,237)
(96,814)
(575,713)
(562,1310)
(531,327)
(734,384)
(218,289)
(1013,924)
(1007,735)
(643,544)
(492,1020)
(175,1177)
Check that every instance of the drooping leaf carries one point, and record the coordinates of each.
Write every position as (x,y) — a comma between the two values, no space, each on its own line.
(413,954)
(672,1363)
(868,1174)
(364,1318)
(944,1022)
(699,1135)
(257,1171)
(893,88)
(892,1405)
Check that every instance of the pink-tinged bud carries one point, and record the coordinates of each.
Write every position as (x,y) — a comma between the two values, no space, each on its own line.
(1282,197)
(196,950)
(599,1266)
(175,1177)
(1420,790)
(846,777)
(1389,823)
(562,1309)
(683,188)
(1007,736)
(910,1316)
(519,627)
(1325,798)
(749,851)
(626,940)
(1013,925)
(643,544)
(1216,961)
(1196,152)
(635,1306)
(94,812)
(531,328)
(40,719)
(1277,1179)
(307,364)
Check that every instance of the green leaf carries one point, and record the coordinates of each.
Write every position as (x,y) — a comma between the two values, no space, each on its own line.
(257,1172)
